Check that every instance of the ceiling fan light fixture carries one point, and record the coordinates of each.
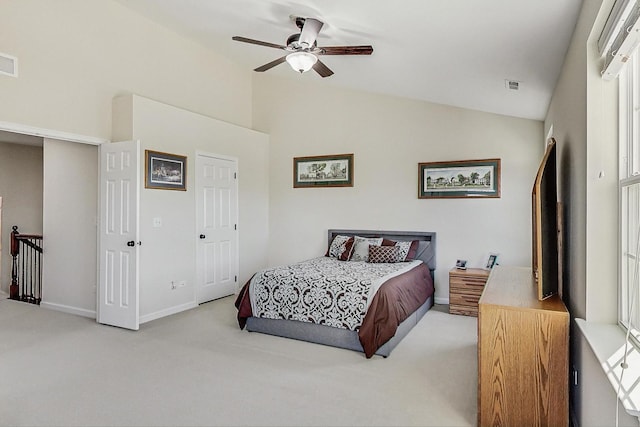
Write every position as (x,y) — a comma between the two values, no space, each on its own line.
(301,61)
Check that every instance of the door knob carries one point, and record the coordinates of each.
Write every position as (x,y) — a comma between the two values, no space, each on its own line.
(131,243)
(202,236)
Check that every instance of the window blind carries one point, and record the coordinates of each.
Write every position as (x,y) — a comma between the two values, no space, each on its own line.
(620,37)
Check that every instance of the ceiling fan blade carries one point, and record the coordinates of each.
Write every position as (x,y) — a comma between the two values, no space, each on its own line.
(322,69)
(309,32)
(346,50)
(258,42)
(271,64)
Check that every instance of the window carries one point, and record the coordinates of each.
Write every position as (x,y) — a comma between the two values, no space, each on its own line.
(629,200)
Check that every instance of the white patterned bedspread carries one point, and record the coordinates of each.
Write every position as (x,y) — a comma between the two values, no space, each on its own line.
(322,290)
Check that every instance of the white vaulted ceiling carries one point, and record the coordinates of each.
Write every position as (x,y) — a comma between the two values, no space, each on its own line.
(453,52)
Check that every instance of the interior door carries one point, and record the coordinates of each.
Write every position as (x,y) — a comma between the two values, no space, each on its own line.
(217,219)
(118,236)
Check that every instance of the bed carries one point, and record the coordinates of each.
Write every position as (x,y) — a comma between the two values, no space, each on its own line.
(399,296)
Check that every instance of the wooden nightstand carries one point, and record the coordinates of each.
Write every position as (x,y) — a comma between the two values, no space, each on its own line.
(465,288)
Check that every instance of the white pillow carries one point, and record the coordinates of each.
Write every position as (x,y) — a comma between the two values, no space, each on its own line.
(360,250)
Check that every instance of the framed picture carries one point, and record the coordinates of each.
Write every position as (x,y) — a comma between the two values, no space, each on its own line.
(491,261)
(323,171)
(165,171)
(459,179)
(461,264)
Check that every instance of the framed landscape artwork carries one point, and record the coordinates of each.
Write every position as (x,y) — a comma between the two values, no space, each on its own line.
(165,171)
(323,171)
(459,179)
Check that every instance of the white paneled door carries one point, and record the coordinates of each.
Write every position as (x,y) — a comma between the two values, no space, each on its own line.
(118,236)
(217,221)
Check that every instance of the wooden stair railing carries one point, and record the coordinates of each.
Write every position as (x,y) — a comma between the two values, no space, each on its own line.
(26,267)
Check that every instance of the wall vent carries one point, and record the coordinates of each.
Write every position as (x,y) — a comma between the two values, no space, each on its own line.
(512,84)
(8,65)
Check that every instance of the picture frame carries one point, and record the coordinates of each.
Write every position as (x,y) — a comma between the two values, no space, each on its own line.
(459,179)
(165,171)
(461,264)
(334,170)
(492,261)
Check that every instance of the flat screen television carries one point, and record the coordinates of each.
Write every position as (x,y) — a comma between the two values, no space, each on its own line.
(545,229)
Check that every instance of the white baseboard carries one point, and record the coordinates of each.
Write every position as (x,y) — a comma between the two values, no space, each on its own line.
(167,312)
(68,309)
(92,314)
(440,300)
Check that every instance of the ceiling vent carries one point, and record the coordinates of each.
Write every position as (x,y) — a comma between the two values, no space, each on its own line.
(8,65)
(512,84)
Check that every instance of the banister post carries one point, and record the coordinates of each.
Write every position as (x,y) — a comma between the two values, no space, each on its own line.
(15,250)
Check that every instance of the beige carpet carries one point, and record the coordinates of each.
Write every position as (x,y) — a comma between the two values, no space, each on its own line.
(199,368)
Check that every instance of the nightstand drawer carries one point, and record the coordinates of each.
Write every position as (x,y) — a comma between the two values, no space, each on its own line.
(465,289)
(464,310)
(468,280)
(473,291)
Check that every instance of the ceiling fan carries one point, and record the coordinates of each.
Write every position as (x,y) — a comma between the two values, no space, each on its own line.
(303,49)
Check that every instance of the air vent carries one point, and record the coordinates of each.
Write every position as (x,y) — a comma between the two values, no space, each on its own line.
(512,84)
(8,65)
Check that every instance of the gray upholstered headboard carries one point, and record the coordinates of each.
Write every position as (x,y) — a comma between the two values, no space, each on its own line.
(426,247)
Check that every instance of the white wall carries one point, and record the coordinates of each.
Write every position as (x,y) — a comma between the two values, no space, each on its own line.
(389,137)
(69,232)
(602,184)
(21,192)
(168,253)
(75,56)
(583,113)
(599,402)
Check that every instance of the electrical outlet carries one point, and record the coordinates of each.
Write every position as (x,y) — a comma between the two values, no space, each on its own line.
(182,283)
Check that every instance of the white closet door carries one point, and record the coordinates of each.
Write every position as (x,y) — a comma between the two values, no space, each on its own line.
(217,219)
(118,303)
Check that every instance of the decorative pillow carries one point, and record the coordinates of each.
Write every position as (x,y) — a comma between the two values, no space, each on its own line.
(360,250)
(408,249)
(403,248)
(387,242)
(341,247)
(379,254)
(413,250)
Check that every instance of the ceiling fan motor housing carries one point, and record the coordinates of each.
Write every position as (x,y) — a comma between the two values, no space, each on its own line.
(293,38)
(294,45)
(299,22)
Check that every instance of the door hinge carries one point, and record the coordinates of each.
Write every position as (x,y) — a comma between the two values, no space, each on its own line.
(235,278)
(235,226)
(235,175)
